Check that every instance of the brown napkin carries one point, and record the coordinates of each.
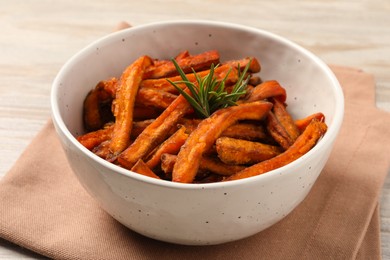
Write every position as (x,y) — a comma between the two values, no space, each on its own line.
(45,209)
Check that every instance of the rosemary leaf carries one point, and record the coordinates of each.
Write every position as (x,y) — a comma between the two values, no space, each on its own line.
(208,94)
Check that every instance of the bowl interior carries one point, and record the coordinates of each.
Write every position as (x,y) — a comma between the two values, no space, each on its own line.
(311,86)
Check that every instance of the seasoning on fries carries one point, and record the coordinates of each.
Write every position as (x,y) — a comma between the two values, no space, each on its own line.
(196,119)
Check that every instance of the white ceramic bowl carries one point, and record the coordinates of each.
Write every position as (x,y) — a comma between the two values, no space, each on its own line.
(197,214)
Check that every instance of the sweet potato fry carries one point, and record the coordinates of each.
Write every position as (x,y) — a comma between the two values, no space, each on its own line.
(254,81)
(167,163)
(267,89)
(92,139)
(171,145)
(97,105)
(246,131)
(278,132)
(285,119)
(182,55)
(254,66)
(141,168)
(103,150)
(216,166)
(207,163)
(154,97)
(108,87)
(281,125)
(313,132)
(304,122)
(155,133)
(241,152)
(91,115)
(204,136)
(140,126)
(190,123)
(124,104)
(197,62)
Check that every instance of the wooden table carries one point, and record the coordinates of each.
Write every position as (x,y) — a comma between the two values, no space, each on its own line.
(38,36)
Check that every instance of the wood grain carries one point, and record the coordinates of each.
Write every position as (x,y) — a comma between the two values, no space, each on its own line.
(37,37)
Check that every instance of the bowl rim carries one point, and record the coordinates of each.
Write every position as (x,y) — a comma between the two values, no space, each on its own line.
(328,137)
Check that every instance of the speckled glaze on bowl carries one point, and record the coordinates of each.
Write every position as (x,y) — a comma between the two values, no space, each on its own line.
(197,214)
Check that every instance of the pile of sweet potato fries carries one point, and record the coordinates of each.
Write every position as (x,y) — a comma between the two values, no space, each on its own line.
(141,122)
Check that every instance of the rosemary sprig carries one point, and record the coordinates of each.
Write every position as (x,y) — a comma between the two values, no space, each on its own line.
(208,94)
